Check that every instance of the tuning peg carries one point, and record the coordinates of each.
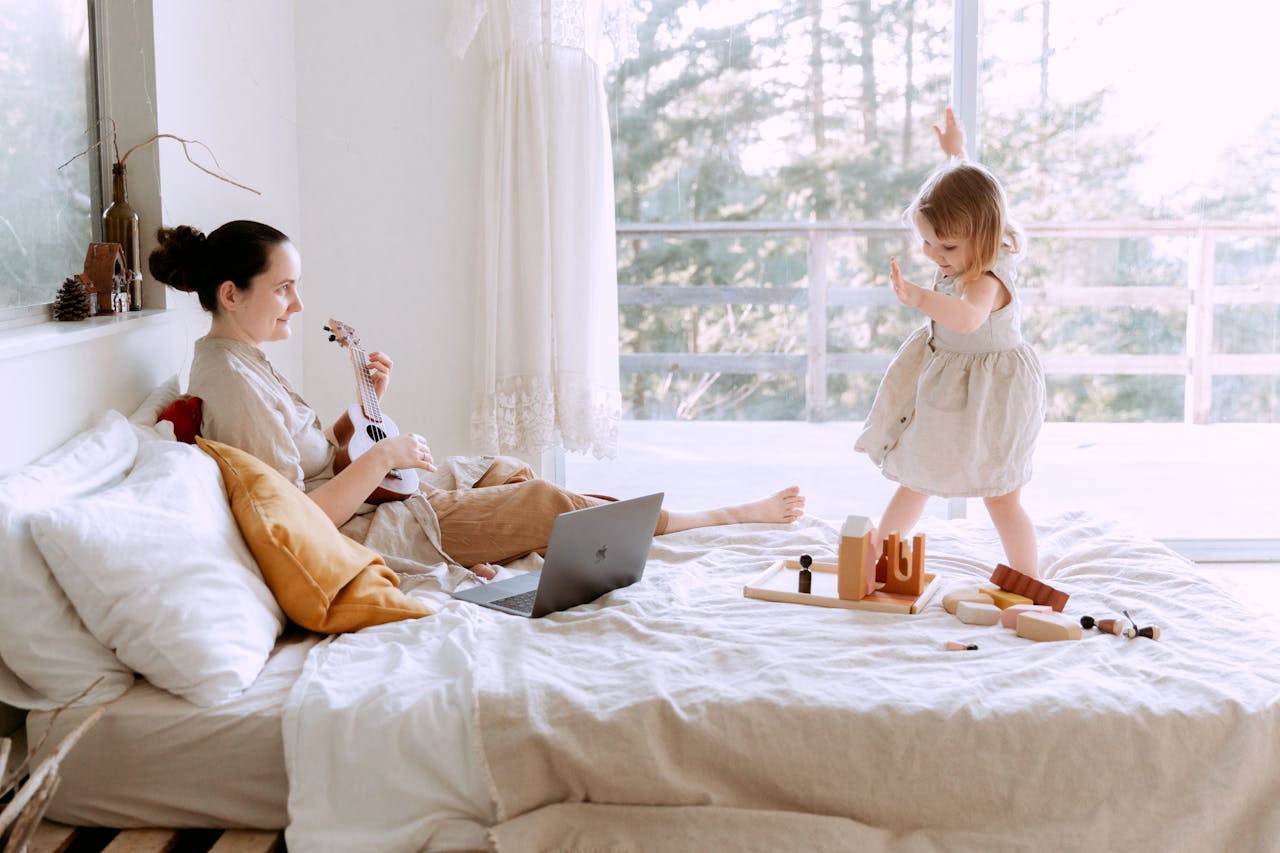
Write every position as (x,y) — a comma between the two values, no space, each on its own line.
(327,329)
(333,337)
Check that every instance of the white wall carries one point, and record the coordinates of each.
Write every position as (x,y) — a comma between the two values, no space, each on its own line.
(226,76)
(362,133)
(389,137)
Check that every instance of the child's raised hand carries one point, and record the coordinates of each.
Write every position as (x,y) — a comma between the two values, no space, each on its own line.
(950,135)
(910,295)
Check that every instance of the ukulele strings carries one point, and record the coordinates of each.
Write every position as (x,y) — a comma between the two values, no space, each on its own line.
(368,397)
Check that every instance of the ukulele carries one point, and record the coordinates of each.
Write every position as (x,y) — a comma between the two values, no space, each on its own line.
(364,425)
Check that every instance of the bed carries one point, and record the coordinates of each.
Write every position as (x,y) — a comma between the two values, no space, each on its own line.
(675,714)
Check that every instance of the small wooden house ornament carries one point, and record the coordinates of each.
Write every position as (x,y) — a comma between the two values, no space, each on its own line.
(104,265)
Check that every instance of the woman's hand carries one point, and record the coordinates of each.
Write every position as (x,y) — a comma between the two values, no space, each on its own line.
(380,365)
(484,570)
(950,135)
(910,295)
(407,450)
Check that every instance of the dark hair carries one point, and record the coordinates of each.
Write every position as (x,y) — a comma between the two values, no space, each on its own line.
(189,261)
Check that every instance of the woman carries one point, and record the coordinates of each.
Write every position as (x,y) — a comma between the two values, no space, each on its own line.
(246,276)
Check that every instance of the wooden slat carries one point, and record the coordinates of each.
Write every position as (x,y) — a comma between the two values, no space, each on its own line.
(248,841)
(143,841)
(51,837)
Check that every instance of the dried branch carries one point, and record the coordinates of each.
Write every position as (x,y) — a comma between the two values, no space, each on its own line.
(37,783)
(5,746)
(26,823)
(115,147)
(23,767)
(186,152)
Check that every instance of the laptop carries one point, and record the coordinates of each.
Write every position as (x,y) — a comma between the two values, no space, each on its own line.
(592,551)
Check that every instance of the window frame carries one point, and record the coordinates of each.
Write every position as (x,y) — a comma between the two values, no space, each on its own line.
(18,316)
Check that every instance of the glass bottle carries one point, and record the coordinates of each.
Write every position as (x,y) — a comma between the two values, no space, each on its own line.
(120,225)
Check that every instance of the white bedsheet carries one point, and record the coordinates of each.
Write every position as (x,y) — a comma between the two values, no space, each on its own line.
(744,720)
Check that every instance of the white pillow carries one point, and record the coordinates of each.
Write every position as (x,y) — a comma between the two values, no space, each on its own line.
(156,402)
(42,640)
(158,571)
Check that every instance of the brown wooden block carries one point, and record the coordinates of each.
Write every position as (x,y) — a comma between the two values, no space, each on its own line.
(1012,580)
(1003,598)
(908,579)
(1047,626)
(855,559)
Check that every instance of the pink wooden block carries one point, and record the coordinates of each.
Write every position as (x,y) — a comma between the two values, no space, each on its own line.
(1009,616)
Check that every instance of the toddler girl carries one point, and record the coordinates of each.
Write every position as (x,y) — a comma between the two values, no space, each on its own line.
(959,409)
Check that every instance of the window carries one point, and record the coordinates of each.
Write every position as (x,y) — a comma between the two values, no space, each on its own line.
(1092,113)
(48,109)
(763,155)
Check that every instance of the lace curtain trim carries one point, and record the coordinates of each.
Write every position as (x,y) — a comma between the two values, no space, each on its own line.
(527,415)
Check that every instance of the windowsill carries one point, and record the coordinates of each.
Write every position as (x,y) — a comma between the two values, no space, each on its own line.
(19,341)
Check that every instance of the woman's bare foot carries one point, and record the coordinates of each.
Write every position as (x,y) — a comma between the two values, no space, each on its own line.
(781,507)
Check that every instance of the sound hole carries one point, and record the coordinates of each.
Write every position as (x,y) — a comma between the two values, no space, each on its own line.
(375,432)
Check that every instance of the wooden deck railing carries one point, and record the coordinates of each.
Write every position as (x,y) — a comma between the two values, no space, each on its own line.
(1198,363)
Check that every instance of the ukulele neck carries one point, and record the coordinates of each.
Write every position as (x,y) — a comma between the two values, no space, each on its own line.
(364,385)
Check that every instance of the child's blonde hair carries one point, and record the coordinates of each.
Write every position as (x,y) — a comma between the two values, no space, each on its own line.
(964,201)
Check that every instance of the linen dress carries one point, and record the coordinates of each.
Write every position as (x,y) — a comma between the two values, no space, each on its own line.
(474,509)
(958,415)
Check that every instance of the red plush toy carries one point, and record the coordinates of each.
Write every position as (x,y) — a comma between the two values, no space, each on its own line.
(184,413)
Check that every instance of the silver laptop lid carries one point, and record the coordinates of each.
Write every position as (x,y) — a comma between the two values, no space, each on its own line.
(596,550)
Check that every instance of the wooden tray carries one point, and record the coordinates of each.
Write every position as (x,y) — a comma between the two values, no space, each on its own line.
(779,582)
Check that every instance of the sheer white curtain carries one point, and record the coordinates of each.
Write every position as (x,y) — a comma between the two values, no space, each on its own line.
(549,339)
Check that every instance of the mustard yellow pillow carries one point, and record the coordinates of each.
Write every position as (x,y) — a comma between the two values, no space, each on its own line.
(323,580)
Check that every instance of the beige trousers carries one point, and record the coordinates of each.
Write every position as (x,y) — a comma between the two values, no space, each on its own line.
(506,514)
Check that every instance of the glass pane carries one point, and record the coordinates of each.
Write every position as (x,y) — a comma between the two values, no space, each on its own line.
(47,213)
(1147,183)
(1119,129)
(762,112)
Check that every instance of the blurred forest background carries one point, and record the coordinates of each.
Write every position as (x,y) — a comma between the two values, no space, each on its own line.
(46,215)
(814,112)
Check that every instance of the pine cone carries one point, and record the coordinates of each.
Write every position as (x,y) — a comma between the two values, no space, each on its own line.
(72,302)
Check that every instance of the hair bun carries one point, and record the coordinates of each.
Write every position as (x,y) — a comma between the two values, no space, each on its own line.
(179,254)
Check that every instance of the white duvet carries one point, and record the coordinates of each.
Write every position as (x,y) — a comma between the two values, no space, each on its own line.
(678,715)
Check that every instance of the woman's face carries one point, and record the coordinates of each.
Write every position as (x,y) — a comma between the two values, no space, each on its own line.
(262,312)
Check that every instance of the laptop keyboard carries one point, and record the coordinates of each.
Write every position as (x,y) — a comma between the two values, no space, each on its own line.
(522,602)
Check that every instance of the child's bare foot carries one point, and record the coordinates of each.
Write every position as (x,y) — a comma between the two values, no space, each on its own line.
(781,507)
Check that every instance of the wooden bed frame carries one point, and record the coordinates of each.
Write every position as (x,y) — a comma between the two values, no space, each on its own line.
(54,838)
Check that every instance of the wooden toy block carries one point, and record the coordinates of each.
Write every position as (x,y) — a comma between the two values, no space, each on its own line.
(975,613)
(1012,580)
(951,599)
(1009,615)
(1047,626)
(1004,599)
(855,559)
(908,576)
(778,583)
